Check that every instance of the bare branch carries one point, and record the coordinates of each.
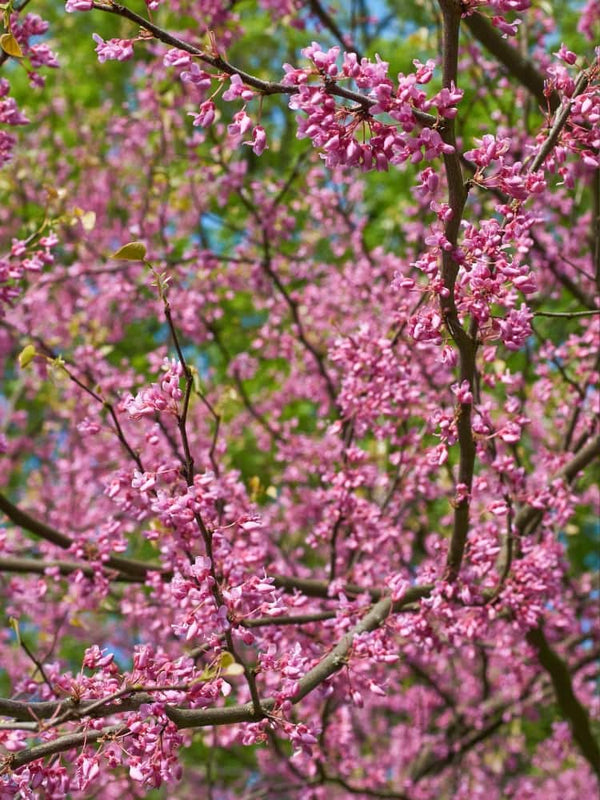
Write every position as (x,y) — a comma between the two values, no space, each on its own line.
(567,700)
(510,58)
(40,567)
(567,314)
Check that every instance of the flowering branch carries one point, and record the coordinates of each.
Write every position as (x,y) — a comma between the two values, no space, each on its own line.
(61,745)
(560,121)
(219,63)
(465,341)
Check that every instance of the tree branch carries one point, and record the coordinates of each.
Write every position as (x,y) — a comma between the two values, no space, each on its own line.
(39,567)
(465,342)
(60,745)
(566,698)
(510,58)
(128,566)
(559,123)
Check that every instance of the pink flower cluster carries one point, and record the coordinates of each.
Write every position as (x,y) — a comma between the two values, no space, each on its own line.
(25,258)
(39,54)
(113,49)
(498,20)
(376,384)
(160,397)
(511,177)
(351,135)
(9,115)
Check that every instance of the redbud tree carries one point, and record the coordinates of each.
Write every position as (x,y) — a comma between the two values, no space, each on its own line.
(299,417)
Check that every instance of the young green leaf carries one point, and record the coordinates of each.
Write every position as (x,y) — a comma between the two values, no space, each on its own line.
(132,251)
(26,356)
(10,45)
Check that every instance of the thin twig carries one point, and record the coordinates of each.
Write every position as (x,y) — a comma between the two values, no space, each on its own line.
(567,314)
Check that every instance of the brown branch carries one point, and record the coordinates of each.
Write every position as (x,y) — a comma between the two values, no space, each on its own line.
(510,58)
(296,619)
(111,411)
(465,341)
(69,709)
(60,745)
(333,546)
(567,314)
(559,123)
(189,382)
(38,567)
(566,698)
(128,566)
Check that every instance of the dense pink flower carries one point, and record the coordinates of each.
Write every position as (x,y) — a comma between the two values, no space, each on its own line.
(114,49)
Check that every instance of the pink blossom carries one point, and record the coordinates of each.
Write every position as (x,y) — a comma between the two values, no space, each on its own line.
(206,116)
(259,140)
(78,5)
(114,49)
(237,89)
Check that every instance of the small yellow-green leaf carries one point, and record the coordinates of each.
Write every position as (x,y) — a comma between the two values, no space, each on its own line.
(26,356)
(255,487)
(226,659)
(88,221)
(14,624)
(10,45)
(232,670)
(132,251)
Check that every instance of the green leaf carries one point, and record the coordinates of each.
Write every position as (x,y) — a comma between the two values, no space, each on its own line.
(10,45)
(233,669)
(26,356)
(14,624)
(132,251)
(229,666)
